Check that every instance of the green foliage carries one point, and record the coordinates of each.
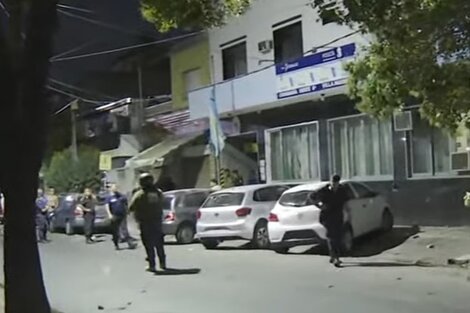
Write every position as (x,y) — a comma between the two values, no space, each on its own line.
(420,52)
(65,175)
(167,15)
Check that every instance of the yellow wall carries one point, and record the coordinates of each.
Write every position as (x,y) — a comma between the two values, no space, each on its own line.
(186,59)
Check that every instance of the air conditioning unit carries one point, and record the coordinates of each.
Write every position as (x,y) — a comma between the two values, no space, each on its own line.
(265,46)
(403,121)
(460,161)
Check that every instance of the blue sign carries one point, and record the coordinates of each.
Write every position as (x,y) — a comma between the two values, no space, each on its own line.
(313,73)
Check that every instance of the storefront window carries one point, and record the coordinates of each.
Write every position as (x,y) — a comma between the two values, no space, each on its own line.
(361,147)
(294,153)
(430,149)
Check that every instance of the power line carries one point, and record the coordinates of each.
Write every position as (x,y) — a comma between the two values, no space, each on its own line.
(90,92)
(4,8)
(74,8)
(75,57)
(102,24)
(71,95)
(80,47)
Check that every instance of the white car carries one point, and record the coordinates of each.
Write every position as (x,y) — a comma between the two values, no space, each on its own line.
(238,213)
(295,220)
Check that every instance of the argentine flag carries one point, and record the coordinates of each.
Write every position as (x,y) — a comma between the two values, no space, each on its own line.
(217,137)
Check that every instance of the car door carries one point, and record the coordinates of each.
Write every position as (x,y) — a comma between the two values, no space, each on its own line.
(363,210)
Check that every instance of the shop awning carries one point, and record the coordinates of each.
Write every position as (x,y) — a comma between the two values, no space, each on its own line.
(155,156)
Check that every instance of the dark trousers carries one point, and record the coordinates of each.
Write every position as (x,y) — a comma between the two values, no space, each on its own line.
(41,226)
(124,231)
(334,236)
(152,239)
(116,228)
(89,224)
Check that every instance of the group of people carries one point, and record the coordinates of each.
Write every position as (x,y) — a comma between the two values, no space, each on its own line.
(146,204)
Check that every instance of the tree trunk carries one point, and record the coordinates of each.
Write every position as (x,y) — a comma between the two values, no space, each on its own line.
(23,119)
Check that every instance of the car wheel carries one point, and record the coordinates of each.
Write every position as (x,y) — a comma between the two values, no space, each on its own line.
(69,228)
(210,243)
(261,236)
(387,221)
(281,250)
(185,234)
(347,240)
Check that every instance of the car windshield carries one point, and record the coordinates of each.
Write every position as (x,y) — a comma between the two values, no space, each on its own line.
(224,199)
(296,199)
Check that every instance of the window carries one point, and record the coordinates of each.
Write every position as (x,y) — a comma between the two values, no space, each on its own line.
(297,199)
(224,199)
(288,43)
(269,194)
(294,153)
(167,203)
(194,200)
(361,190)
(360,147)
(192,80)
(234,61)
(430,149)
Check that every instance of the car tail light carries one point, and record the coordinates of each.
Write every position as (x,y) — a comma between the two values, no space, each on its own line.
(78,212)
(273,217)
(243,212)
(170,217)
(198,214)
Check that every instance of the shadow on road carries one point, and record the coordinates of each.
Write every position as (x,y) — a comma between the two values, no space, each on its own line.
(376,264)
(246,246)
(374,243)
(178,271)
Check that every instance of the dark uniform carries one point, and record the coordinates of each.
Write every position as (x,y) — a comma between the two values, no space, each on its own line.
(148,210)
(41,218)
(118,207)
(332,217)
(88,203)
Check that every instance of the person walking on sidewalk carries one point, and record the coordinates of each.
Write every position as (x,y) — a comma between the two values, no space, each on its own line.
(117,204)
(147,205)
(87,204)
(41,216)
(333,198)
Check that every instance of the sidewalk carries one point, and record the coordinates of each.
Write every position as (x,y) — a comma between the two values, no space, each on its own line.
(426,246)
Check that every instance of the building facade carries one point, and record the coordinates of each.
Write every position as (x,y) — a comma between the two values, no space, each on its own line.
(278,73)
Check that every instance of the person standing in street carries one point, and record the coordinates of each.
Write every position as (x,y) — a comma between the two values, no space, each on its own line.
(333,198)
(41,216)
(117,204)
(147,205)
(87,204)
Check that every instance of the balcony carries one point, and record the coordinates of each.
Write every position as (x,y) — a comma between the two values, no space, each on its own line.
(310,78)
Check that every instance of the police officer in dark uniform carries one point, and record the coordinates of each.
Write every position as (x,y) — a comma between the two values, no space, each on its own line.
(148,210)
(333,198)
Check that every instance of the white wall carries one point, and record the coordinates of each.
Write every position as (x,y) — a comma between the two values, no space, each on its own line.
(257,23)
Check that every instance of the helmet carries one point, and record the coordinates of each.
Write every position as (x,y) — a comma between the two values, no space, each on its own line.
(146,180)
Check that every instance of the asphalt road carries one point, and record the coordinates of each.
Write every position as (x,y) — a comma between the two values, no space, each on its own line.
(94,278)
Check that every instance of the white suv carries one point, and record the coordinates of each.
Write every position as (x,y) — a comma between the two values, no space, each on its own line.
(295,220)
(238,213)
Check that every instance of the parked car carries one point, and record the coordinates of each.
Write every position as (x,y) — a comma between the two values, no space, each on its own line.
(179,212)
(69,216)
(238,213)
(295,220)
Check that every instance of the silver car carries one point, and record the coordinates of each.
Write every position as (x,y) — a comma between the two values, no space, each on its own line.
(180,213)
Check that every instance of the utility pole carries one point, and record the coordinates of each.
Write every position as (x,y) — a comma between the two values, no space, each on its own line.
(140,106)
(73,113)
